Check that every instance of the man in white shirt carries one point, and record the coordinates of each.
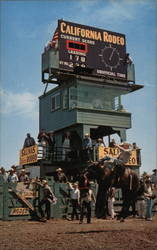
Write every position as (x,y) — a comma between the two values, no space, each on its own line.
(75,199)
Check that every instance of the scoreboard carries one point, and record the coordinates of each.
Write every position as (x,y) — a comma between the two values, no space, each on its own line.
(90,49)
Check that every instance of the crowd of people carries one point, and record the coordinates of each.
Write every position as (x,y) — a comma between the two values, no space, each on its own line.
(82,196)
(12,176)
(86,150)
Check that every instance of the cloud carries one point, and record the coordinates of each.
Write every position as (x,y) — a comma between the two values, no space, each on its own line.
(20,104)
(111,12)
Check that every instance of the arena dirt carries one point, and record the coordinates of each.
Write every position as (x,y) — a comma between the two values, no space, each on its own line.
(62,234)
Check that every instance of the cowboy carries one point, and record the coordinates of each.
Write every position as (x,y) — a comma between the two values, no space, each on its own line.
(86,203)
(60,176)
(48,199)
(29,141)
(124,155)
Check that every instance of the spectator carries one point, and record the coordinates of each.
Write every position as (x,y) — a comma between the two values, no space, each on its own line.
(48,198)
(29,141)
(148,193)
(141,200)
(60,176)
(43,139)
(23,177)
(154,178)
(12,177)
(4,174)
(66,146)
(112,143)
(75,199)
(87,148)
(138,150)
(86,203)
(99,143)
(111,200)
(128,59)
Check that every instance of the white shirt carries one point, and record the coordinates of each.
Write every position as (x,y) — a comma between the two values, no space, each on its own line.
(124,155)
(75,192)
(13,178)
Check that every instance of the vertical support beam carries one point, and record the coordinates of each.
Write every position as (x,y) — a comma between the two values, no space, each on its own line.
(123,135)
(119,101)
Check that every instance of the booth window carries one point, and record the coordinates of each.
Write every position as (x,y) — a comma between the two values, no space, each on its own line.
(72,97)
(55,102)
(65,98)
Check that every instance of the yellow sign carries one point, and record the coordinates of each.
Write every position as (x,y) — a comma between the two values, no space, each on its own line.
(114,152)
(19,211)
(29,155)
(89,33)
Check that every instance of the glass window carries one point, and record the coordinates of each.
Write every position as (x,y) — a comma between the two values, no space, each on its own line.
(55,102)
(95,97)
(72,97)
(98,98)
(65,98)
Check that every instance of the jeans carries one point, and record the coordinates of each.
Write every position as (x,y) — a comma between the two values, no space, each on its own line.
(141,208)
(74,209)
(148,208)
(47,208)
(85,206)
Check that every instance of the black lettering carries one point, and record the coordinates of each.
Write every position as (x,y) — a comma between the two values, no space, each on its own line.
(106,150)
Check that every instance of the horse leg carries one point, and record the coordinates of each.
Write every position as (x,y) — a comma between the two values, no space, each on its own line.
(125,206)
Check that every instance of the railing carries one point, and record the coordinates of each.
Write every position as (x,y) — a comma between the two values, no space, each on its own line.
(58,154)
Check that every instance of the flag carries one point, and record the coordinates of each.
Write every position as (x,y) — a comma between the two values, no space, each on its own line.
(54,41)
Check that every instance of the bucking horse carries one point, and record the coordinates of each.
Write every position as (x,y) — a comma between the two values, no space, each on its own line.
(119,177)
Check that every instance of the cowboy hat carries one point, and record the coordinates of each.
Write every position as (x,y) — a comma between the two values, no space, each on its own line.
(59,170)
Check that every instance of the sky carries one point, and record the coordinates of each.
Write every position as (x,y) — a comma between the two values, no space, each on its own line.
(25,28)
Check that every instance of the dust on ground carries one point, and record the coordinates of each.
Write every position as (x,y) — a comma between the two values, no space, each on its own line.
(62,234)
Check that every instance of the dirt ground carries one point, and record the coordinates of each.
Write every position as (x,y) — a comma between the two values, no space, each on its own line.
(62,234)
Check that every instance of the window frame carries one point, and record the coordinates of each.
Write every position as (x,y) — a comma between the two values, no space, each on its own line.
(55,103)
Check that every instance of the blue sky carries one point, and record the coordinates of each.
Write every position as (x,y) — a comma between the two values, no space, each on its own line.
(26,26)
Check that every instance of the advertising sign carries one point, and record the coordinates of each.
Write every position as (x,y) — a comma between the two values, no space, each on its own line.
(101,52)
(29,155)
(114,152)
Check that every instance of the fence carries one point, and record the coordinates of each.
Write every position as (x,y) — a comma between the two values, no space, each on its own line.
(19,202)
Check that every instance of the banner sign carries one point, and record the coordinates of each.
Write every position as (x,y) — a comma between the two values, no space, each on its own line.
(29,155)
(101,51)
(114,152)
(19,211)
